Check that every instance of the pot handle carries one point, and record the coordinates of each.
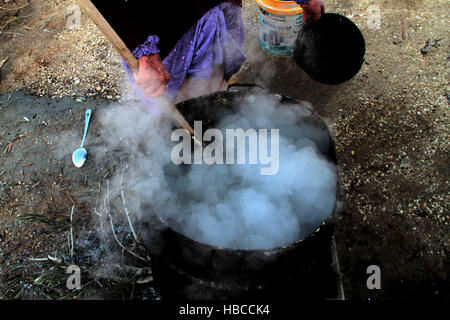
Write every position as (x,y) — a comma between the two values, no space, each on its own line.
(248,86)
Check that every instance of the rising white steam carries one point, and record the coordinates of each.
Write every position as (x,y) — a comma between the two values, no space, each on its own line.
(231,206)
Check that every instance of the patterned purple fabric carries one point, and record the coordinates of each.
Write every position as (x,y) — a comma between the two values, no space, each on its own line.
(216,39)
(149,47)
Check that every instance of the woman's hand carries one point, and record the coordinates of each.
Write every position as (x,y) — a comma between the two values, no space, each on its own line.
(313,9)
(152,77)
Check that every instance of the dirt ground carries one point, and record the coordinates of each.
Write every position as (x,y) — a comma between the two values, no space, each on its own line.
(390,125)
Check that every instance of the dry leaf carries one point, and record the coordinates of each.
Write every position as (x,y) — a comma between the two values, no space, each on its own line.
(3,62)
(144,280)
(54,259)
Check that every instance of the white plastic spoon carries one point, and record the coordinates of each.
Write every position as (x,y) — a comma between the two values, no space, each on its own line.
(79,156)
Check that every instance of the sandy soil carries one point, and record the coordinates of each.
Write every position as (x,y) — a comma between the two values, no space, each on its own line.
(390,124)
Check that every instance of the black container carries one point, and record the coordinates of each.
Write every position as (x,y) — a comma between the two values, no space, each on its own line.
(185,268)
(330,50)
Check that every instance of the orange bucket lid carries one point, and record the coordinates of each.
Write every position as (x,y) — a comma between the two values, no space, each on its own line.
(284,8)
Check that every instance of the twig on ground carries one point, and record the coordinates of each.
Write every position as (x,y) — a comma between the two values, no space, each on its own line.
(3,62)
(7,253)
(2,32)
(71,232)
(38,259)
(8,148)
(98,198)
(17,18)
(13,9)
(125,207)
(113,227)
(21,35)
(45,24)
(104,211)
(120,243)
(337,270)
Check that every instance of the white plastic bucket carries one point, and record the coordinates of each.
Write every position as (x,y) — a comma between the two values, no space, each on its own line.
(279,24)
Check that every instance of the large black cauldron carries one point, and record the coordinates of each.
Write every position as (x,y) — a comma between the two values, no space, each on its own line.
(184,268)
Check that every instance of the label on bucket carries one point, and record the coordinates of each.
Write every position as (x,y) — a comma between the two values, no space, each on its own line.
(278,33)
